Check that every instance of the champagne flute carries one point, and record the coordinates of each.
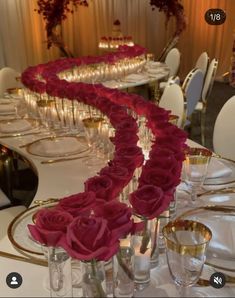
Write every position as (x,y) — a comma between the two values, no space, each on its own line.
(195,169)
(186,245)
(92,127)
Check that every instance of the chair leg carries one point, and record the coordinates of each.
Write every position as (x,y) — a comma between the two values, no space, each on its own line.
(203,125)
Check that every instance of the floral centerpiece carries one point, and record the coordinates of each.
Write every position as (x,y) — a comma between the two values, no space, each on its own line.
(97,211)
(172,8)
(54,12)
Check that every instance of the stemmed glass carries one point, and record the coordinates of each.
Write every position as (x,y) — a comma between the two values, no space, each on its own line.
(92,127)
(186,245)
(195,169)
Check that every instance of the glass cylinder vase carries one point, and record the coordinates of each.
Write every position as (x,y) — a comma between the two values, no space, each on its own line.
(141,243)
(60,273)
(123,272)
(93,281)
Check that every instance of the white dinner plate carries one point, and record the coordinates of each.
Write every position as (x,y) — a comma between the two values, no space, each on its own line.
(58,146)
(18,232)
(12,126)
(221,221)
(226,177)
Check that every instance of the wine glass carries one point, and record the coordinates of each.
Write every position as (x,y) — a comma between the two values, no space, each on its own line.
(186,245)
(195,169)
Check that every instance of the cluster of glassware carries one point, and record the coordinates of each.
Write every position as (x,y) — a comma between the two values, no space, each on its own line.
(101,72)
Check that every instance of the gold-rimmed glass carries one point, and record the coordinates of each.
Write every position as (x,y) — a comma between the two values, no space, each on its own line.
(186,246)
(195,169)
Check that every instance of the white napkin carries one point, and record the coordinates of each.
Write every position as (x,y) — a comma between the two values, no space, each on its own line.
(15,126)
(57,146)
(7,108)
(134,77)
(217,169)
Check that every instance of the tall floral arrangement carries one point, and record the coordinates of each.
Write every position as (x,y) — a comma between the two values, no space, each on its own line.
(172,8)
(54,12)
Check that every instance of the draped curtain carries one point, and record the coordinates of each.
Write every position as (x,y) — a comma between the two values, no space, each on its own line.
(23,38)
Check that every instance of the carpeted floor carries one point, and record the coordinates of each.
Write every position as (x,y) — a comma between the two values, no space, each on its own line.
(221,92)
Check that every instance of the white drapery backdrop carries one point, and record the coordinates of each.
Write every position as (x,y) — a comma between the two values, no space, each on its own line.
(23,38)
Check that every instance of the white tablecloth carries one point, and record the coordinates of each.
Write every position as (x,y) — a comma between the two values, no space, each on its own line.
(58,180)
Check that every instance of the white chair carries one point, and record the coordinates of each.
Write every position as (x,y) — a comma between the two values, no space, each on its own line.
(170,81)
(207,87)
(203,62)
(192,88)
(224,132)
(173,100)
(173,61)
(8,79)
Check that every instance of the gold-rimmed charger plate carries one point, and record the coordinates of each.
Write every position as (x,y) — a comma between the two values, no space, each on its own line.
(226,179)
(32,124)
(58,146)
(221,221)
(18,232)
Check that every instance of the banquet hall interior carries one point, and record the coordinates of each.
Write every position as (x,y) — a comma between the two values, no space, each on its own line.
(117,148)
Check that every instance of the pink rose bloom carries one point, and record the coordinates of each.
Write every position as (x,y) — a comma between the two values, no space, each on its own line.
(103,187)
(149,201)
(159,177)
(50,227)
(118,216)
(90,238)
(78,204)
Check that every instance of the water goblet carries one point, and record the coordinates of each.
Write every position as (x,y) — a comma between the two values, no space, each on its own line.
(186,246)
(195,169)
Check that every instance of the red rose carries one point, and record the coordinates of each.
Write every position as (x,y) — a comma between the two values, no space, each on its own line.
(103,187)
(118,216)
(78,204)
(127,163)
(149,201)
(50,227)
(116,118)
(165,163)
(90,238)
(119,175)
(164,158)
(128,125)
(173,148)
(159,177)
(122,138)
(133,153)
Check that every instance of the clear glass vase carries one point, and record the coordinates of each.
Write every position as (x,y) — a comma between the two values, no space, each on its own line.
(123,272)
(93,281)
(141,243)
(60,273)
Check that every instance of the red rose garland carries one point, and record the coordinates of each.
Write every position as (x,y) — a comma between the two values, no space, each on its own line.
(160,174)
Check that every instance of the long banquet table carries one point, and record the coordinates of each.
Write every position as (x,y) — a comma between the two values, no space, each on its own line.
(59,180)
